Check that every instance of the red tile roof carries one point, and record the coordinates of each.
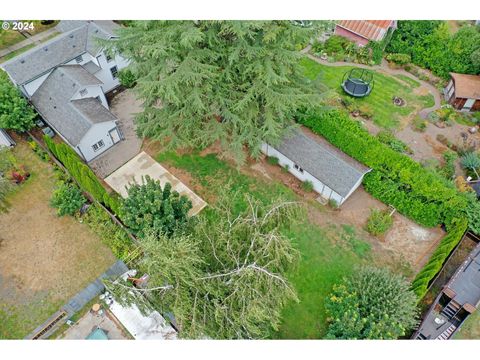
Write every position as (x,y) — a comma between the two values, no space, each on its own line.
(466,86)
(369,29)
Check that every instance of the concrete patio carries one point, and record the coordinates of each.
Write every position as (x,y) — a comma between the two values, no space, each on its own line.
(124,105)
(143,165)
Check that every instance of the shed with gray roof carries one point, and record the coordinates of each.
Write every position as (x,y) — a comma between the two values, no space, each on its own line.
(333,174)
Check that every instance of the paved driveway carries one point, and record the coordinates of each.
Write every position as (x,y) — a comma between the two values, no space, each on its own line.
(143,165)
(124,106)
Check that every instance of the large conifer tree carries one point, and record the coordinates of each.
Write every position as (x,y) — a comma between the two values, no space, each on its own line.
(238,82)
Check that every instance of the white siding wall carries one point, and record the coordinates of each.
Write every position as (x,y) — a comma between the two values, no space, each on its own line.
(318,186)
(92,92)
(104,75)
(96,133)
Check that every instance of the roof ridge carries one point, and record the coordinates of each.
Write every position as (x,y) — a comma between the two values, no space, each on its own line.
(331,153)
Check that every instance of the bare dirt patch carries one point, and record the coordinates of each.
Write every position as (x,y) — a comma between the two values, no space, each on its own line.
(406,243)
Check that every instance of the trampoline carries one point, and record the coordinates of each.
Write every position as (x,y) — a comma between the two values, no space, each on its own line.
(358,82)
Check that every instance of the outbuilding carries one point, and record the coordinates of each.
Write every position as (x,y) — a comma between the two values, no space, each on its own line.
(5,139)
(463,92)
(309,157)
(362,32)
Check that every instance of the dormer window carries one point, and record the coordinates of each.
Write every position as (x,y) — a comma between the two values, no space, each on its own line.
(79,59)
(108,57)
(83,92)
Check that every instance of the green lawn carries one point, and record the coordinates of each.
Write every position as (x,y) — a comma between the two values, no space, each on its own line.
(385,113)
(327,254)
(11,37)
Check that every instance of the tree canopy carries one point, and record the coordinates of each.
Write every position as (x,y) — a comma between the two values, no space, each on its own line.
(237,82)
(371,304)
(225,279)
(15,113)
(149,208)
(431,45)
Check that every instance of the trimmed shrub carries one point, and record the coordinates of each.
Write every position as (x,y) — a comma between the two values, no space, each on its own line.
(379,222)
(400,59)
(84,175)
(430,270)
(272,160)
(67,199)
(395,179)
(127,78)
(389,139)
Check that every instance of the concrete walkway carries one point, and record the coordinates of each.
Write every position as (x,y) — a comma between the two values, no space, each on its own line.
(35,39)
(385,69)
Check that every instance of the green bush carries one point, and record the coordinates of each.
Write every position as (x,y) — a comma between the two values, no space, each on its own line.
(127,78)
(388,138)
(272,160)
(307,185)
(400,59)
(419,124)
(379,222)
(371,304)
(430,270)
(336,44)
(83,174)
(111,234)
(395,178)
(67,199)
(149,208)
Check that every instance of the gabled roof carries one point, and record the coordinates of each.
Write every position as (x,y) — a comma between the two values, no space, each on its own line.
(369,29)
(72,119)
(323,161)
(466,86)
(80,38)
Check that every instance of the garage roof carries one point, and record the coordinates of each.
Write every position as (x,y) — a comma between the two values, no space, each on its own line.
(323,161)
(466,86)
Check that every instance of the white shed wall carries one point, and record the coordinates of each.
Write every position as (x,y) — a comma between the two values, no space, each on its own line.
(318,186)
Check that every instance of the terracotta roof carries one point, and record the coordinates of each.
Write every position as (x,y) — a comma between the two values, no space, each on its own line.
(368,29)
(466,86)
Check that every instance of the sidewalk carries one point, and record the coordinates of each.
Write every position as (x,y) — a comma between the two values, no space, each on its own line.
(35,40)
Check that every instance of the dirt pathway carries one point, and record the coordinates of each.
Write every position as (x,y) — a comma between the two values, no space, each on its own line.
(385,69)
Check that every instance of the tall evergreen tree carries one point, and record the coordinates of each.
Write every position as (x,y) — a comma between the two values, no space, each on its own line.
(238,82)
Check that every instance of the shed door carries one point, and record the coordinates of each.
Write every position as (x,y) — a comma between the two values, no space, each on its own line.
(468,104)
(115,135)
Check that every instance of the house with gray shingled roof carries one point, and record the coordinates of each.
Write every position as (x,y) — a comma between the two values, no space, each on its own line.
(309,157)
(66,79)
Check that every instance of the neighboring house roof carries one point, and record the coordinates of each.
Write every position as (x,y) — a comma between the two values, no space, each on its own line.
(369,29)
(59,50)
(323,161)
(466,86)
(72,119)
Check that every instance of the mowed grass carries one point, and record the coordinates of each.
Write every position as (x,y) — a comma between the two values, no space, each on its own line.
(380,101)
(11,37)
(327,254)
(44,259)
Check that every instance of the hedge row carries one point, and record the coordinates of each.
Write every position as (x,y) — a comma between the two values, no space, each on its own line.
(395,178)
(435,264)
(83,174)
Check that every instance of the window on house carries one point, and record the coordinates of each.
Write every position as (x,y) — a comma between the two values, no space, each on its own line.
(298,168)
(98,145)
(108,57)
(79,59)
(114,72)
(83,92)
